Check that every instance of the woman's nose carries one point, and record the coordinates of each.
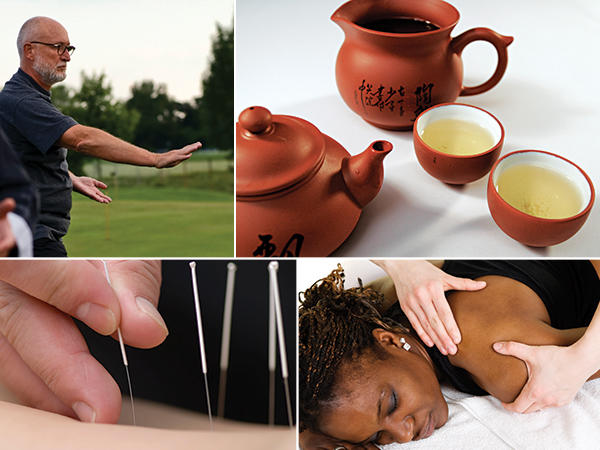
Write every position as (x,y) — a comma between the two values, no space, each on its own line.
(402,430)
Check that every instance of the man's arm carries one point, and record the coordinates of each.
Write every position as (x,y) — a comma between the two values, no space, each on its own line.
(95,142)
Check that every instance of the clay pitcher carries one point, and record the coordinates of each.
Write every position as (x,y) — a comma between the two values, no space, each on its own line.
(389,77)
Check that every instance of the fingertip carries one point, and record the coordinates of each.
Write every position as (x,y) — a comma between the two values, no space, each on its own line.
(498,346)
(456,337)
(148,309)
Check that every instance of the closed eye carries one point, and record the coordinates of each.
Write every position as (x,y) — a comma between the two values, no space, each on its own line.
(393,405)
(393,402)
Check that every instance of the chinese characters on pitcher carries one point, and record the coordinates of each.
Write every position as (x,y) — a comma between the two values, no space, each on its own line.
(392,98)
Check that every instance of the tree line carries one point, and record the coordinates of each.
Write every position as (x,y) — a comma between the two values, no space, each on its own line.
(150,118)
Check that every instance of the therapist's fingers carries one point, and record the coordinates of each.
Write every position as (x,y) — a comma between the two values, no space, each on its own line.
(414,321)
(516,349)
(50,344)
(523,402)
(75,287)
(462,284)
(535,407)
(14,374)
(137,285)
(424,321)
(447,318)
(438,326)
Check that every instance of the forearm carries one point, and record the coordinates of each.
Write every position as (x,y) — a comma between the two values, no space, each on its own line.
(100,144)
(54,431)
(588,349)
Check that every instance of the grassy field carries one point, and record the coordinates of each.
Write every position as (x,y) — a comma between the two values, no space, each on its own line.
(176,220)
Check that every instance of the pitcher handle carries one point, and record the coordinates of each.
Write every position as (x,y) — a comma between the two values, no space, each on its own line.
(498,41)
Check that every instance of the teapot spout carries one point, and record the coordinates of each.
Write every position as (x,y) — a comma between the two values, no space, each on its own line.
(363,173)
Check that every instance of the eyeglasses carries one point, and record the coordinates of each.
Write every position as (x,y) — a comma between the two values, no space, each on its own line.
(60,48)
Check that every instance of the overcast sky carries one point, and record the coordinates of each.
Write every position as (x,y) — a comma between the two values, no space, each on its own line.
(167,41)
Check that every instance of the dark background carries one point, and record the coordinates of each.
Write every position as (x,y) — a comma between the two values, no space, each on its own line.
(171,373)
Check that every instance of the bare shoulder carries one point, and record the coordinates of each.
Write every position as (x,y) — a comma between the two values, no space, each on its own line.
(504,310)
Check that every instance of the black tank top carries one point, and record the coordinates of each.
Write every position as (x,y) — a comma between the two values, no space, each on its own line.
(570,291)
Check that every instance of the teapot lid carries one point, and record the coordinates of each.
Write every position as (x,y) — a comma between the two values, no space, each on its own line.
(274,152)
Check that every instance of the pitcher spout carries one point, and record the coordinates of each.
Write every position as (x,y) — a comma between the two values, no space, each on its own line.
(363,173)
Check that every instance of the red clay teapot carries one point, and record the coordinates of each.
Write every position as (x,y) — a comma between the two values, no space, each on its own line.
(298,192)
(398,58)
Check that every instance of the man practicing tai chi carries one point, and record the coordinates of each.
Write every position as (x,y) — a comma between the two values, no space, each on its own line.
(41,134)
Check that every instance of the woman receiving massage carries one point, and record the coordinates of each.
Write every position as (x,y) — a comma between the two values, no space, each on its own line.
(367,378)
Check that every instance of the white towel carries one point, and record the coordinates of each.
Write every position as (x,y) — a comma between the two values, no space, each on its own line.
(482,423)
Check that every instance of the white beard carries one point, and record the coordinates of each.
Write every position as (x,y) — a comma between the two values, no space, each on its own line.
(48,73)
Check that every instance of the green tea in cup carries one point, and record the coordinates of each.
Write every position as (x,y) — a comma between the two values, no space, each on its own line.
(539,191)
(457,137)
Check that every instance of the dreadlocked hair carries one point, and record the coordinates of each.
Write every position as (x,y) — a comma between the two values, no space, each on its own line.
(335,326)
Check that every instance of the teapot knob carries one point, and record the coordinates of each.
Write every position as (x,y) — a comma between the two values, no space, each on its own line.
(256,119)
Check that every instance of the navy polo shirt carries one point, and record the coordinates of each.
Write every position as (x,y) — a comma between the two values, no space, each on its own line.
(33,126)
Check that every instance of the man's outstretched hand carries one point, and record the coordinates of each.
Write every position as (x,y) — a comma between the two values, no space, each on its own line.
(90,187)
(174,157)
(44,359)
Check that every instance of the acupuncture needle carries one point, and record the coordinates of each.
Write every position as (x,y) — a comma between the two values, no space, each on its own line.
(273,267)
(226,338)
(201,340)
(123,354)
(272,351)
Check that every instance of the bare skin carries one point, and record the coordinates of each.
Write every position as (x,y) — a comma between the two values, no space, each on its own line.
(90,187)
(7,238)
(505,310)
(53,431)
(547,387)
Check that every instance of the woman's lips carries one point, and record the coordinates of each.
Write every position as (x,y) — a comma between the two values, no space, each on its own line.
(428,428)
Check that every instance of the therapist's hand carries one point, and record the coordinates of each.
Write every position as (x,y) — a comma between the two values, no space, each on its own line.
(555,374)
(421,287)
(44,359)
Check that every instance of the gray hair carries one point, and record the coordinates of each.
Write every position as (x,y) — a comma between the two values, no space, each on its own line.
(26,32)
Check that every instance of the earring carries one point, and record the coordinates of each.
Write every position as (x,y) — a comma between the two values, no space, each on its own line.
(405,345)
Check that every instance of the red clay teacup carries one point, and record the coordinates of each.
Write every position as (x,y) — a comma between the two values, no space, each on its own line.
(530,229)
(457,169)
